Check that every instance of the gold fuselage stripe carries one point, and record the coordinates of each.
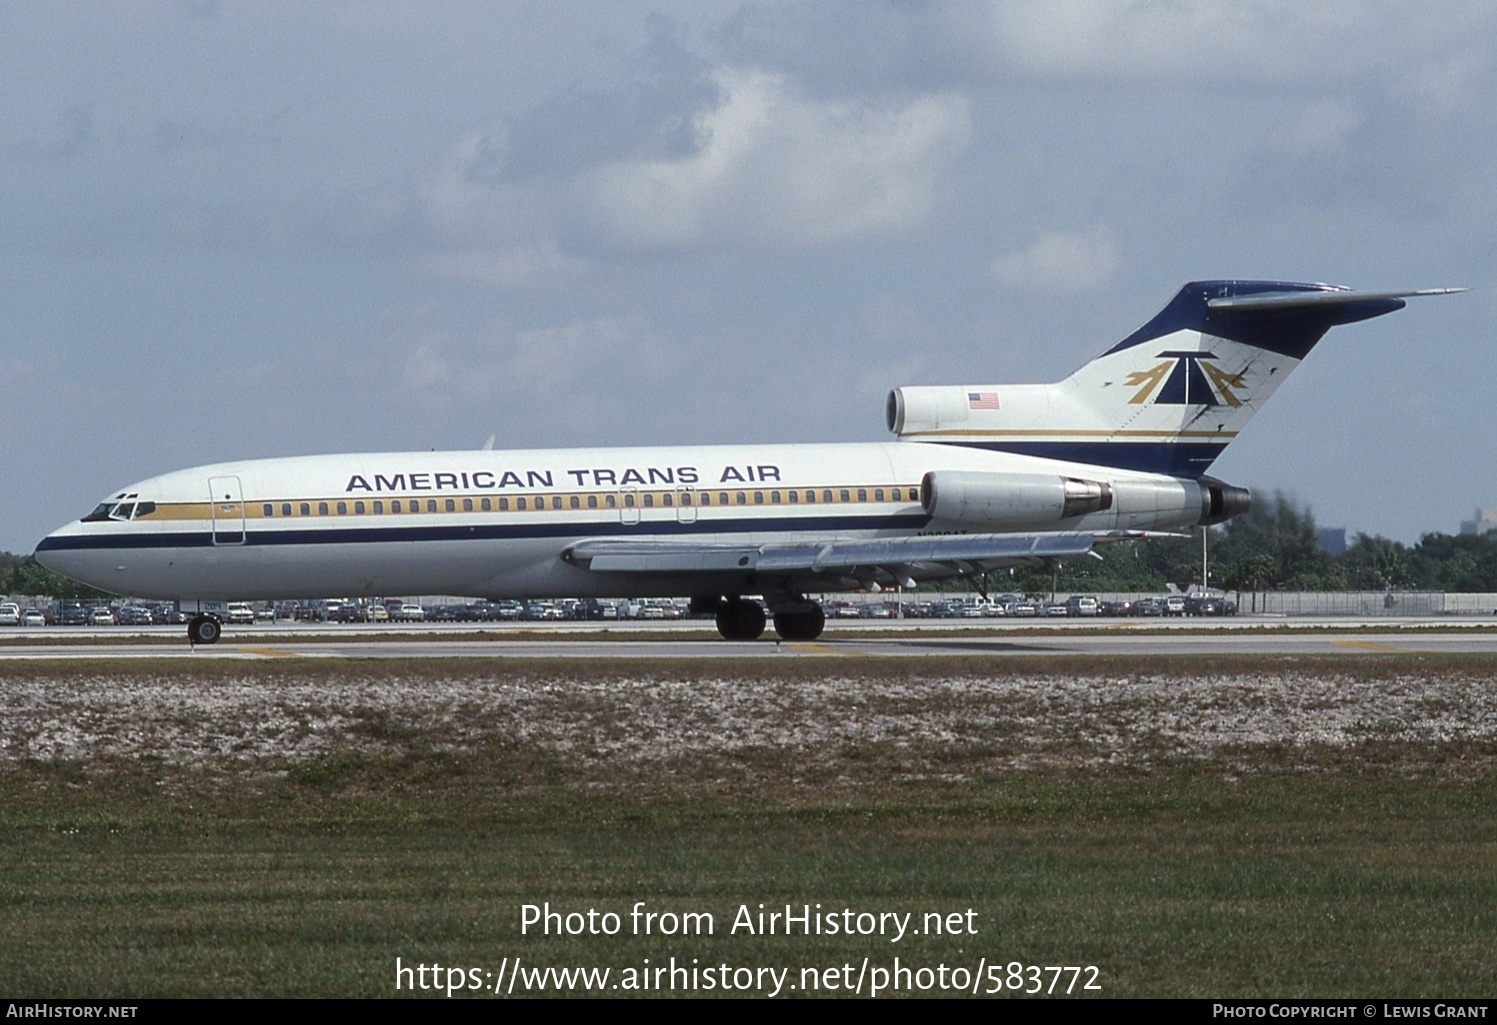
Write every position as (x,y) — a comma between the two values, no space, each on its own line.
(612,501)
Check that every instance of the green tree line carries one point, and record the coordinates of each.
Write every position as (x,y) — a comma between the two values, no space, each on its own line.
(1274,547)
(22,574)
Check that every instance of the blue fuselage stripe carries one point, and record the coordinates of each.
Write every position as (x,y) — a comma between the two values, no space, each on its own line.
(476,532)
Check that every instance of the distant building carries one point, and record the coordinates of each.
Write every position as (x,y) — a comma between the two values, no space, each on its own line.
(1331,540)
(1486,519)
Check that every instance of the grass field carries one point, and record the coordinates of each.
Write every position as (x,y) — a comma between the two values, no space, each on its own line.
(1269,827)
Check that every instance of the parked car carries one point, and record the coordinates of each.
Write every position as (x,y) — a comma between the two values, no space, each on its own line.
(70,612)
(1081,605)
(10,614)
(506,610)
(101,616)
(241,612)
(1148,607)
(33,617)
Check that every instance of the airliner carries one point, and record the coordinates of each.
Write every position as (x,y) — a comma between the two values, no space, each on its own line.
(979,477)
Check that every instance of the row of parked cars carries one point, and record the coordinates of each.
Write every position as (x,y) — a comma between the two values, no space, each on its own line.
(1020,606)
(74,612)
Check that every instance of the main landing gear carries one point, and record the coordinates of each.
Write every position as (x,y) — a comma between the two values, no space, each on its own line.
(740,619)
(204,629)
(743,619)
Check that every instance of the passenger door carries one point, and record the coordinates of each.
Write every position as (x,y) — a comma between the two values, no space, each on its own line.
(226,505)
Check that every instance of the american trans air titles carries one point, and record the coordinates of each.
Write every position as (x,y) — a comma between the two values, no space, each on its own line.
(592,477)
(981,477)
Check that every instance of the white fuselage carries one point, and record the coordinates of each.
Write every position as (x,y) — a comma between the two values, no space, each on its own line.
(494,524)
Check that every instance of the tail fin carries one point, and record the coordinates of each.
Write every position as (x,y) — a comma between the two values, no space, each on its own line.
(1166,399)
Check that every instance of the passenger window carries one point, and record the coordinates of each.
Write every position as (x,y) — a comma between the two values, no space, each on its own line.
(774,498)
(467,505)
(450,505)
(575,502)
(342,508)
(285,508)
(486,504)
(758,498)
(706,498)
(649,500)
(358,507)
(556,501)
(810,495)
(306,508)
(321,508)
(826,496)
(379,507)
(629,501)
(794,497)
(592,501)
(504,505)
(665,500)
(862,494)
(520,504)
(267,509)
(878,494)
(845,495)
(743,498)
(722,498)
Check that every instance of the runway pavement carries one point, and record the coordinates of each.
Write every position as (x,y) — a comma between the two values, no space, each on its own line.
(698,640)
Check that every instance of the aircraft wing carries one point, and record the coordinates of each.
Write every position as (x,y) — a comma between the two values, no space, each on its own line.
(904,558)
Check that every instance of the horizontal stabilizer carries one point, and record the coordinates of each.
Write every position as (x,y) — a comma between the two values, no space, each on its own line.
(1302,300)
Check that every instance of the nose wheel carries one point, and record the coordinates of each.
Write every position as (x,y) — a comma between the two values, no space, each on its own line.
(204,630)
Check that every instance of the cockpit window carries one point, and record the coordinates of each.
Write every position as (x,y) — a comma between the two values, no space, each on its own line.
(119,510)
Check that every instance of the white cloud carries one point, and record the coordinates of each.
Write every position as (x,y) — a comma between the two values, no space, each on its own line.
(1320,129)
(587,365)
(778,168)
(1430,45)
(1061,262)
(774,169)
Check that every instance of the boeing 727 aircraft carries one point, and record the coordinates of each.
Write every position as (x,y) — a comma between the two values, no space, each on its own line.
(981,477)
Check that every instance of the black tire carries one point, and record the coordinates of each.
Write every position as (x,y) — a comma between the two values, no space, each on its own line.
(740,620)
(802,624)
(204,630)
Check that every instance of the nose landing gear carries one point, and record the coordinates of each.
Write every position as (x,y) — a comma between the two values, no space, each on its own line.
(204,629)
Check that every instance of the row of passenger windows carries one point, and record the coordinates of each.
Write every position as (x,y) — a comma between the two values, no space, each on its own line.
(612,500)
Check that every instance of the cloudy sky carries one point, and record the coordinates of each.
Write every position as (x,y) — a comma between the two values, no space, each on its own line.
(258,229)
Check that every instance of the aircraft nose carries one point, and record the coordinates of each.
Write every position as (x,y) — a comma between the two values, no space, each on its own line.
(60,553)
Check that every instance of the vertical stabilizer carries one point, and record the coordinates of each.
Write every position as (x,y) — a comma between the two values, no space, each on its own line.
(1166,399)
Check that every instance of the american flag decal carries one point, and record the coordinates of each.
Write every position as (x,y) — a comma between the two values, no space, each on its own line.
(982,400)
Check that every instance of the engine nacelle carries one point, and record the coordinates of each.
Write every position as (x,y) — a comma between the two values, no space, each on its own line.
(1010,501)
(1221,501)
(1023,501)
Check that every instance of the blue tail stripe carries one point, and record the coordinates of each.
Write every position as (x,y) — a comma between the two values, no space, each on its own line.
(1179,459)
